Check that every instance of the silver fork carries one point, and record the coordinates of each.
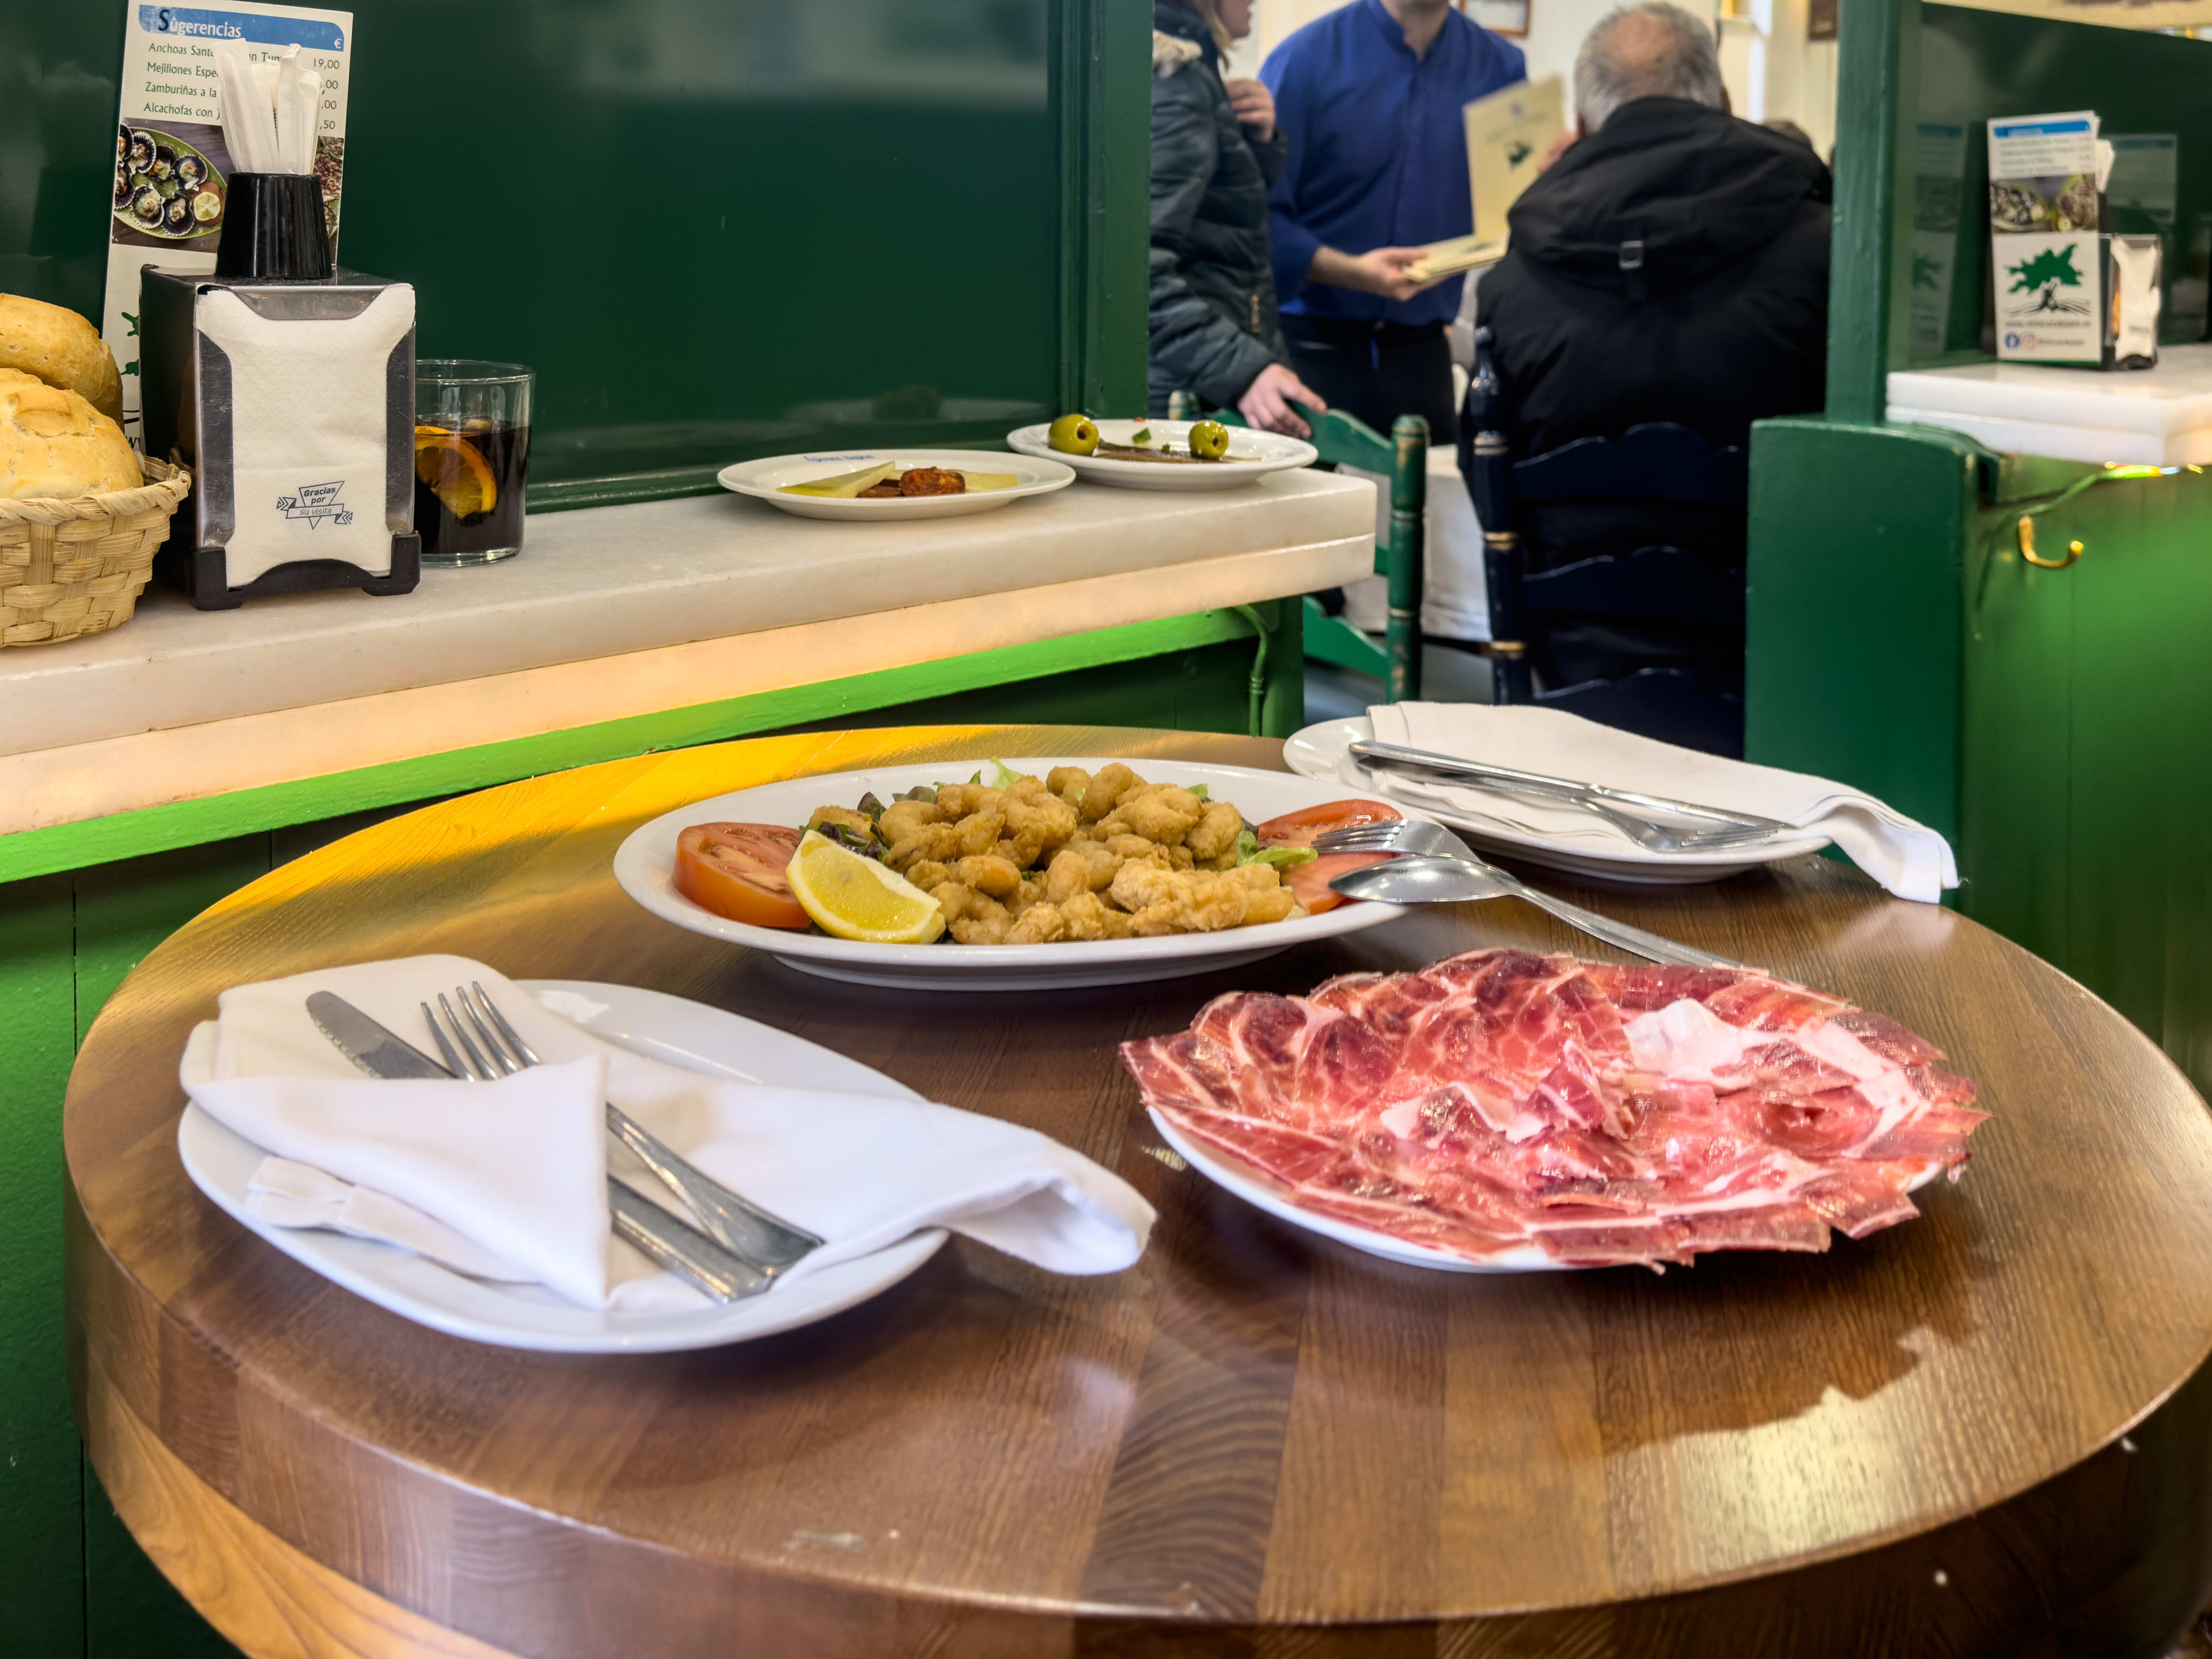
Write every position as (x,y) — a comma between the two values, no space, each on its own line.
(759,1237)
(1421,837)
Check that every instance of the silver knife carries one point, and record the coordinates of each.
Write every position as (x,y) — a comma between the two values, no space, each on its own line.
(1537,783)
(377,1049)
(672,1243)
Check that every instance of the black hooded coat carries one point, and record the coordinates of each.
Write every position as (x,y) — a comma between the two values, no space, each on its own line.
(1672,266)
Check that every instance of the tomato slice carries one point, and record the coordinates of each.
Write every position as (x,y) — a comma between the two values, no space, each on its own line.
(1310,882)
(1298,828)
(737,870)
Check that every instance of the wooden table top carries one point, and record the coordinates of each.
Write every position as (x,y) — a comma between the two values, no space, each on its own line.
(1253,1430)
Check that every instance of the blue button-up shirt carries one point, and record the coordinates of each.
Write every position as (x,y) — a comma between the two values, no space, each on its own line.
(1378,149)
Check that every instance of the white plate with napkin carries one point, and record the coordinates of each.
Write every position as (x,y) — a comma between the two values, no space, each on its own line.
(505,1181)
(1909,858)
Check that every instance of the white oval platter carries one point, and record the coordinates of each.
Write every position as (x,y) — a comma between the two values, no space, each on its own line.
(646,861)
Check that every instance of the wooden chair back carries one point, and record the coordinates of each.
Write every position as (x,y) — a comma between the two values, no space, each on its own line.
(1660,470)
(1403,458)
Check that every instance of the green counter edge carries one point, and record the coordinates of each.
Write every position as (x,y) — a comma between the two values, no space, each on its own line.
(62,847)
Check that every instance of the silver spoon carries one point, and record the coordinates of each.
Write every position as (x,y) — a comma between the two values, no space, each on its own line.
(1423,880)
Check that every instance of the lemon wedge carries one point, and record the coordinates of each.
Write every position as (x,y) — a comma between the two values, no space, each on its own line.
(853,897)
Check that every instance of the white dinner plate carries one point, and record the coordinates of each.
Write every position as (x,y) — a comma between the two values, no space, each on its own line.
(1252,454)
(1256,1186)
(1318,751)
(764,479)
(689,1034)
(645,863)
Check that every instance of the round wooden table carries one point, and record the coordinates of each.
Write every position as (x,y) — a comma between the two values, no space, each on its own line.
(1981,1432)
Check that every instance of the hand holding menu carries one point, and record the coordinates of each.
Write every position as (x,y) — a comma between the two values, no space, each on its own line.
(1508,134)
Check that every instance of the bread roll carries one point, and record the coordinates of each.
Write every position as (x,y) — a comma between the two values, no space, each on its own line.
(60,349)
(52,442)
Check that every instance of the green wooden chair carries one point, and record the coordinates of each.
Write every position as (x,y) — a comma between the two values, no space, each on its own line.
(1403,458)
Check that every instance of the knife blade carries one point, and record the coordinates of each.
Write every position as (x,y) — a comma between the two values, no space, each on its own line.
(376,1049)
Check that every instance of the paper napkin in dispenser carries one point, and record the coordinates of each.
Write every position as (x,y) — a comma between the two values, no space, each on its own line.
(309,441)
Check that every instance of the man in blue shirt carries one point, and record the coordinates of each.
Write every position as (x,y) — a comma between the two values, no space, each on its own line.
(1371,98)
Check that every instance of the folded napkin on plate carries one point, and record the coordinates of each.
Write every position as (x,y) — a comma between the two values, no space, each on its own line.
(506,1180)
(1909,858)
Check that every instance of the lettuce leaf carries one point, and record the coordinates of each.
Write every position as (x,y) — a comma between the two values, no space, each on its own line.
(1249,851)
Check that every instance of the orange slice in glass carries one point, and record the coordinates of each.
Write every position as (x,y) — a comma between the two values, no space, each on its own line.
(456,470)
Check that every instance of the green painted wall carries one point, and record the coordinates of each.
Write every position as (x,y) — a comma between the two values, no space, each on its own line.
(1909,283)
(717,228)
(1974,64)
(41,1504)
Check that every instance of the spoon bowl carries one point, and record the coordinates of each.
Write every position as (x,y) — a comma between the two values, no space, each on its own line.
(1422,880)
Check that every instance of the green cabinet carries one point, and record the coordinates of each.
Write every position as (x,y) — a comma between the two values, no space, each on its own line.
(2055,723)
(2086,783)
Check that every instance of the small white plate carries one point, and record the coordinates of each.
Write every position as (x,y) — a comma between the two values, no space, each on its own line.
(1252,454)
(689,1034)
(1256,1186)
(764,479)
(646,861)
(1318,750)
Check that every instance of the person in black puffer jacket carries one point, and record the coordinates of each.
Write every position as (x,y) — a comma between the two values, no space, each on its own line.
(1215,155)
(1672,265)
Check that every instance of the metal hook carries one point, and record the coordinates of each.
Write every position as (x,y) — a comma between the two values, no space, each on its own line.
(2027,547)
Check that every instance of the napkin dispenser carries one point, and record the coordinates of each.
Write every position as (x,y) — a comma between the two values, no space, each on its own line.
(293,402)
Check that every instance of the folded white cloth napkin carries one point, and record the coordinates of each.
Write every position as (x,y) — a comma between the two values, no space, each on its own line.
(1909,858)
(506,1180)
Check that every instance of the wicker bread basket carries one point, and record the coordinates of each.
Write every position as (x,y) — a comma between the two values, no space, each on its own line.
(76,567)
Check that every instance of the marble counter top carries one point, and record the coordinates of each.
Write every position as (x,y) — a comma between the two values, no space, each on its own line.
(2160,417)
(611,612)
(608,580)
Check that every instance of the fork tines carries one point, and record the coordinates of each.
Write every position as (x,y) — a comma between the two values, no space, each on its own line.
(493,1059)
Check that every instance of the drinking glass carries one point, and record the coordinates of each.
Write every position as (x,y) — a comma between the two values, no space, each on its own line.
(471,459)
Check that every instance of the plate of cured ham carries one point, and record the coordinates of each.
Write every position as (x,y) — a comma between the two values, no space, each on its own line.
(1506,1112)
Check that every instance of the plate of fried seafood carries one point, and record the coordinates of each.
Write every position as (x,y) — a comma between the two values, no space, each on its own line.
(1026,874)
(1162,454)
(906,483)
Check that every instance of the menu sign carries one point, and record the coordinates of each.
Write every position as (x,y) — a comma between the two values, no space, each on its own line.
(171,168)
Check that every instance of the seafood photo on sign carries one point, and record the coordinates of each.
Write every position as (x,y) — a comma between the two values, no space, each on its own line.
(171,183)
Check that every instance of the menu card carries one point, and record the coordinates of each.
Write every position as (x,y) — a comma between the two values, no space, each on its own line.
(1508,134)
(171,168)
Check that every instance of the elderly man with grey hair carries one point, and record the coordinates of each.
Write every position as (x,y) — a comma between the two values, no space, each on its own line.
(1672,265)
